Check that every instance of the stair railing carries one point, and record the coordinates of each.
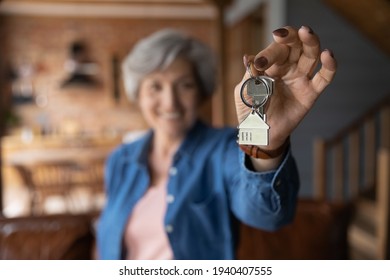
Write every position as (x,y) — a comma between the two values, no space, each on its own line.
(345,165)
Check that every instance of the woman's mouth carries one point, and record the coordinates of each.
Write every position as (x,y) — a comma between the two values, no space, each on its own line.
(170,115)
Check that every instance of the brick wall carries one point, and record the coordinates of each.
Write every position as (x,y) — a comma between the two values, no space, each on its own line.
(43,42)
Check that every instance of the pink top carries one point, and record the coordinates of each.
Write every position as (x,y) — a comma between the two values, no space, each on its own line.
(145,237)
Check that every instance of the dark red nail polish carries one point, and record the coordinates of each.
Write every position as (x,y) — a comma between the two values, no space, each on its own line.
(261,62)
(245,60)
(281,32)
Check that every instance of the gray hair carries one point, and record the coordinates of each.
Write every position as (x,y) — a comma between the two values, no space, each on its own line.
(159,50)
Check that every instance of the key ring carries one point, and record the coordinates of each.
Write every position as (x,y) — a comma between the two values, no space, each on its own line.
(257,79)
(253,129)
(249,70)
(266,81)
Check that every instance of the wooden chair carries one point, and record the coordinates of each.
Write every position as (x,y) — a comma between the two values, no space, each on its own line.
(93,182)
(96,175)
(45,180)
(353,167)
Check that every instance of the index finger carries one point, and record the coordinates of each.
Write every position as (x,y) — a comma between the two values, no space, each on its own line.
(275,53)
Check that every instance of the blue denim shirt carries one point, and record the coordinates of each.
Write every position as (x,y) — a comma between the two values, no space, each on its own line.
(210,187)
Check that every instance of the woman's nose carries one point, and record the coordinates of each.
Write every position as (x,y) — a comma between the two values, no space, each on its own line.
(169,98)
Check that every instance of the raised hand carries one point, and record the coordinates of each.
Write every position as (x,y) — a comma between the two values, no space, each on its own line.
(292,60)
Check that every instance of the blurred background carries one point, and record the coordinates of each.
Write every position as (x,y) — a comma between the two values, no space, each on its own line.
(63,108)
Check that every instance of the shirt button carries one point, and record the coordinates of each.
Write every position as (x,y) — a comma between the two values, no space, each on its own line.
(170,198)
(173,171)
(169,228)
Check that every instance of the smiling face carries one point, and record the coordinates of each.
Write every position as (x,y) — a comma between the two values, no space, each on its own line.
(169,99)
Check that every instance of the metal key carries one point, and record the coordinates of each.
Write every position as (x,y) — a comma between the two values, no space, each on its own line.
(258,91)
(253,130)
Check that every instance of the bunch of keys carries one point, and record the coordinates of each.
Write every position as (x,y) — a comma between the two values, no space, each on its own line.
(253,130)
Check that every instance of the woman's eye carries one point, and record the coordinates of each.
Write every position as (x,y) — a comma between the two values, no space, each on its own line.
(187,85)
(155,87)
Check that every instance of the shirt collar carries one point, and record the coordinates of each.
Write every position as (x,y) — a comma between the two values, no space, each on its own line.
(191,141)
(138,151)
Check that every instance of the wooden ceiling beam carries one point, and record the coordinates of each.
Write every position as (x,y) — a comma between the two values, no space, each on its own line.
(126,9)
(372,18)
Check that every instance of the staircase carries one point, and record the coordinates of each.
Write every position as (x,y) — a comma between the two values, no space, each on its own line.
(368,233)
(371,18)
(353,168)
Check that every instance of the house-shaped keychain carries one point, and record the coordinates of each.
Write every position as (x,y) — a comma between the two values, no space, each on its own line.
(253,130)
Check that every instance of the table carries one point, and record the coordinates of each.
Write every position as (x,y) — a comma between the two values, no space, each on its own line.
(33,157)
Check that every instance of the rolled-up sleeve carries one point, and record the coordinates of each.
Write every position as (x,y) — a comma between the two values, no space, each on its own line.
(265,200)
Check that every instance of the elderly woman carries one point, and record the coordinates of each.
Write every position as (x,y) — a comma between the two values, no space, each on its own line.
(177,192)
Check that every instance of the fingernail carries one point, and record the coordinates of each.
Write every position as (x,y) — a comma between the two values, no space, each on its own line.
(281,32)
(330,52)
(308,29)
(261,62)
(245,60)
